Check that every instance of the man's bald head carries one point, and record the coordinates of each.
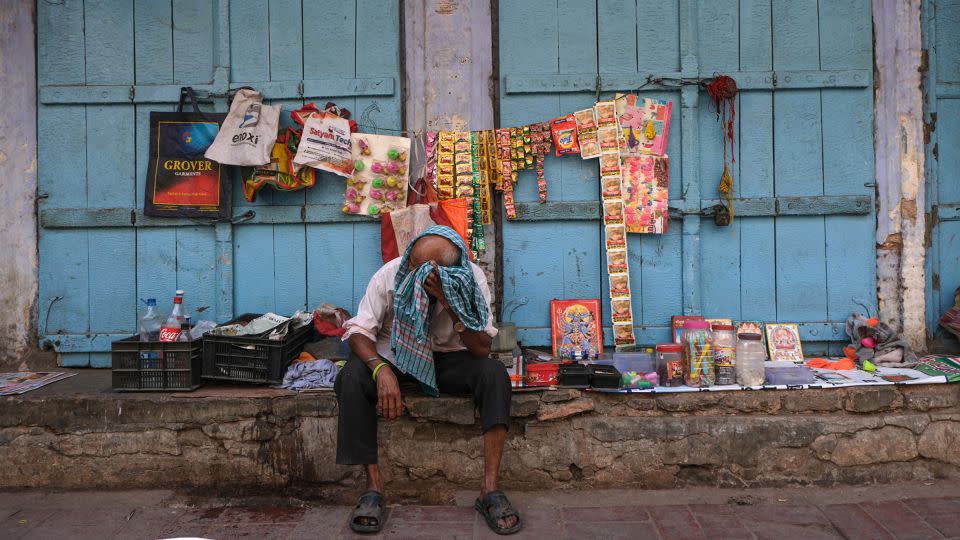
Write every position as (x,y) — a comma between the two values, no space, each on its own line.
(434,248)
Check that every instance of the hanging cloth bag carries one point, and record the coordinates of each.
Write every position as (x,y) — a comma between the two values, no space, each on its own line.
(248,133)
(181,181)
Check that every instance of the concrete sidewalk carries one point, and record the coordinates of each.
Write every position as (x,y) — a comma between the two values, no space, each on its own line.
(875,512)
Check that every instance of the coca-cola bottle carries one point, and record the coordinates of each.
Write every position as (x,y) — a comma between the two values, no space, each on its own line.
(170,330)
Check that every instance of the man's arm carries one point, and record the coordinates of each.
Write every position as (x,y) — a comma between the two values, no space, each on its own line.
(389,403)
(478,343)
(361,335)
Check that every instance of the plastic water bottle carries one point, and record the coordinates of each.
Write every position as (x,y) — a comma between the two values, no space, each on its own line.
(170,330)
(150,322)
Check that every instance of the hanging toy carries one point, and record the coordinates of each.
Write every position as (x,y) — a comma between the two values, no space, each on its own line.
(723,91)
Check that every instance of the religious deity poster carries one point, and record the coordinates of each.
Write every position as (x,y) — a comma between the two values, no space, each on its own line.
(575,326)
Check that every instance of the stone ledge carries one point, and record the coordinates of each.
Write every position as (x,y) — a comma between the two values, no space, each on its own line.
(557,439)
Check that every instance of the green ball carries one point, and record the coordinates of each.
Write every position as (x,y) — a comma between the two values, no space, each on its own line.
(373,209)
(358,165)
(377,182)
(393,153)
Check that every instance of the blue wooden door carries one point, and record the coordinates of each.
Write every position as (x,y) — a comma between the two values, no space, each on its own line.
(801,248)
(941,26)
(103,66)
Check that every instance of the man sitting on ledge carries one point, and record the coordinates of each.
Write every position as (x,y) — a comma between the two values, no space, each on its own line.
(426,318)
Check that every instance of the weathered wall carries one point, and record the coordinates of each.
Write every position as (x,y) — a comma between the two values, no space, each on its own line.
(448,76)
(18,178)
(901,249)
(563,439)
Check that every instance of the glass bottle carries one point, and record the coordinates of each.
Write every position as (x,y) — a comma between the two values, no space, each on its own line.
(697,342)
(750,360)
(725,354)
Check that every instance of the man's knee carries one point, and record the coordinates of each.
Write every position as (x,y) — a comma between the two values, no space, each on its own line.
(494,373)
(351,377)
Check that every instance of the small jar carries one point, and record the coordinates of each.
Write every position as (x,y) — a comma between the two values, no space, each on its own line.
(670,364)
(697,342)
(725,354)
(750,360)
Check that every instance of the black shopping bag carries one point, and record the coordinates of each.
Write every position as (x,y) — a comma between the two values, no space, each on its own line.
(180,181)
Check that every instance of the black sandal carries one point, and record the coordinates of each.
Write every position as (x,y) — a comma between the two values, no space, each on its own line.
(370,506)
(494,506)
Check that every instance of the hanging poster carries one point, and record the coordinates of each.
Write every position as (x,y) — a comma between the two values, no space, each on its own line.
(646,196)
(644,124)
(575,326)
(783,342)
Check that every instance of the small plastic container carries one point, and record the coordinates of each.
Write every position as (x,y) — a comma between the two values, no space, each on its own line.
(543,374)
(634,367)
(697,342)
(670,364)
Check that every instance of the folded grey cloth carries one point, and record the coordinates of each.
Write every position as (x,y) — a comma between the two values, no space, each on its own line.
(308,375)
(889,350)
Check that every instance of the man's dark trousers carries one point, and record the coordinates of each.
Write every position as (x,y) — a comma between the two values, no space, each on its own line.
(458,372)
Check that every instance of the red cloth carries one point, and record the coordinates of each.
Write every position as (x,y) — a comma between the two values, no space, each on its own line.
(842,364)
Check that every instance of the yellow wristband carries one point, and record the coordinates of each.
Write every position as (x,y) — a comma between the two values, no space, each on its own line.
(376,369)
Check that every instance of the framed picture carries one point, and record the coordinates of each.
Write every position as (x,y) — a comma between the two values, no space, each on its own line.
(783,342)
(677,323)
(575,326)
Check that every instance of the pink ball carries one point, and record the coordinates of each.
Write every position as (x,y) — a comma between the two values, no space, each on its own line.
(653,378)
(393,167)
(375,194)
(868,342)
(351,193)
(377,167)
(392,195)
(354,208)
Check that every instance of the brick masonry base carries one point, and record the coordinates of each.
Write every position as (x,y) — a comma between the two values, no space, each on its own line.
(558,439)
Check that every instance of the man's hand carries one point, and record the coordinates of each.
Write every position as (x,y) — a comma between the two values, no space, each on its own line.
(433,287)
(389,404)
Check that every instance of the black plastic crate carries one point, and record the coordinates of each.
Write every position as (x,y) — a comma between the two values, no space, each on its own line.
(156,366)
(254,359)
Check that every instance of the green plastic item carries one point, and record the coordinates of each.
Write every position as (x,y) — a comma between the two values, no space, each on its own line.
(868,366)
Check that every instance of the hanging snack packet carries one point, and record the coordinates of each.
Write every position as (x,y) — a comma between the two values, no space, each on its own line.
(565,135)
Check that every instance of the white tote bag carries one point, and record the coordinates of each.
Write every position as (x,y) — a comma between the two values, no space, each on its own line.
(248,133)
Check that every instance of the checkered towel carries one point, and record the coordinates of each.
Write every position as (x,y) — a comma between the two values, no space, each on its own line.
(410,338)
